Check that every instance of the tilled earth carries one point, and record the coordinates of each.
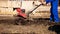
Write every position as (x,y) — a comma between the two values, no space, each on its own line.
(37,26)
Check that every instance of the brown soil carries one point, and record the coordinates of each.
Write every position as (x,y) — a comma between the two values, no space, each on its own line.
(37,26)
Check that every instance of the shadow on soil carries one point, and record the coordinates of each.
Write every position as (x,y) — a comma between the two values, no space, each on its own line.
(55,28)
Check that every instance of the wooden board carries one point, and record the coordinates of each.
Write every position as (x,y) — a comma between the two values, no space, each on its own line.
(12,4)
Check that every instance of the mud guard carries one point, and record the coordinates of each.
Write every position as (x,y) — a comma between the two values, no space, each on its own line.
(20,13)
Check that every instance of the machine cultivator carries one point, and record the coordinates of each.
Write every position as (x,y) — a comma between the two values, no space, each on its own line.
(23,16)
(21,10)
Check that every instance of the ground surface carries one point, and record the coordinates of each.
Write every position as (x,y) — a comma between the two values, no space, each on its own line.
(38,26)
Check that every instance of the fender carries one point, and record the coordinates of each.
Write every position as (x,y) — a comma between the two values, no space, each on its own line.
(20,13)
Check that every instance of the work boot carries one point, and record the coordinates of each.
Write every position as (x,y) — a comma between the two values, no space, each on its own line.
(51,23)
(57,23)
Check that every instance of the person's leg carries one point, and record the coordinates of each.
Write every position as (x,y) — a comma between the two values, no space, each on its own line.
(56,18)
(51,16)
(55,11)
